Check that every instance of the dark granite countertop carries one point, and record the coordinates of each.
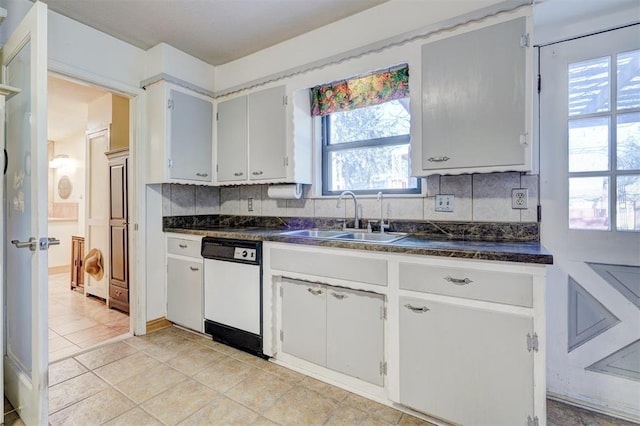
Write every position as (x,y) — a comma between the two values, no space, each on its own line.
(519,250)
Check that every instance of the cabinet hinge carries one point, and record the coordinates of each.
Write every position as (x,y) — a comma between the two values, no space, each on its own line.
(532,342)
(539,214)
(170,103)
(383,368)
(281,336)
(285,161)
(532,421)
(524,40)
(383,313)
(216,168)
(285,100)
(170,163)
(217,116)
(281,292)
(524,139)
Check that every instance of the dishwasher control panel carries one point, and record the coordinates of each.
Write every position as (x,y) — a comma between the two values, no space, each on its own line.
(242,253)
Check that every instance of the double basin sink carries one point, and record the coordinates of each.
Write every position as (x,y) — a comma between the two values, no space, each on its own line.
(347,235)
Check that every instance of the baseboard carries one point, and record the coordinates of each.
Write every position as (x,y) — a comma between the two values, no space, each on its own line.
(59,269)
(592,406)
(158,324)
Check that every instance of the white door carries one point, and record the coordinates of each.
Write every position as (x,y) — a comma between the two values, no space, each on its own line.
(97,208)
(590,195)
(25,356)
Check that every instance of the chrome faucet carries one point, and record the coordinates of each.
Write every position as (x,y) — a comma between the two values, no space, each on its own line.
(355,206)
(382,224)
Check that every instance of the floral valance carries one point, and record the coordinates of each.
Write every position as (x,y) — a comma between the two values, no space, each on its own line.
(359,92)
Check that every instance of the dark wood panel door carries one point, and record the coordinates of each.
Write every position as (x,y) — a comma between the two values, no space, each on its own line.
(118,225)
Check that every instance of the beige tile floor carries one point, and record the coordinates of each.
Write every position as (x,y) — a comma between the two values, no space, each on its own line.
(77,322)
(176,377)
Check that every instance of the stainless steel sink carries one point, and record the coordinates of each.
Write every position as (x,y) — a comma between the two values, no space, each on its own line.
(372,237)
(314,233)
(346,235)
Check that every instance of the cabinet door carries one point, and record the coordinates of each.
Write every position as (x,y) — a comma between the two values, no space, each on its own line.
(464,364)
(304,320)
(232,140)
(355,333)
(474,99)
(184,293)
(191,137)
(267,134)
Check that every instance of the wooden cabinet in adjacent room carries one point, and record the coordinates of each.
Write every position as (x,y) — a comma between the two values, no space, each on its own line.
(118,231)
(77,269)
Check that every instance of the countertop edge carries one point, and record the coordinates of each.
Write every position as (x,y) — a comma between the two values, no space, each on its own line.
(513,255)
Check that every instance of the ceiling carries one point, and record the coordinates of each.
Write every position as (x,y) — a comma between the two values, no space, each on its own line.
(215,31)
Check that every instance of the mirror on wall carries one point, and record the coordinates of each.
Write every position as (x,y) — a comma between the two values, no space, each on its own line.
(60,185)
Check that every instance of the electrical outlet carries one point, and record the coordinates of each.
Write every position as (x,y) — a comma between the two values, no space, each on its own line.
(520,198)
(444,203)
(250,204)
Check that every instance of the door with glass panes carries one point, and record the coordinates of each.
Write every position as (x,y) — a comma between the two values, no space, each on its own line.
(590,196)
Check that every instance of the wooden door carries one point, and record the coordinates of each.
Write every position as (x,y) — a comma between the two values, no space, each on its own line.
(118,230)
(77,269)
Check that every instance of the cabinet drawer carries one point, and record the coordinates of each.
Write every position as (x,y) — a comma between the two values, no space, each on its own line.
(118,293)
(183,247)
(490,286)
(341,266)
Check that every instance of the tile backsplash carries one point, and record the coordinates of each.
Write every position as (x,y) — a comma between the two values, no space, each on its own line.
(478,198)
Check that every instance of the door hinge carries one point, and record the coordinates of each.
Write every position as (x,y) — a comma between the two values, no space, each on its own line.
(383,368)
(285,100)
(281,336)
(170,103)
(532,421)
(532,342)
(524,40)
(383,313)
(539,83)
(539,214)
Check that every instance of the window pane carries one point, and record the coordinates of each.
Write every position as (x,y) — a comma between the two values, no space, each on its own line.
(628,135)
(589,203)
(589,144)
(378,121)
(589,86)
(629,80)
(376,168)
(628,203)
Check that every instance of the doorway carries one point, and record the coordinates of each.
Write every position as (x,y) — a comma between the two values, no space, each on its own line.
(84,124)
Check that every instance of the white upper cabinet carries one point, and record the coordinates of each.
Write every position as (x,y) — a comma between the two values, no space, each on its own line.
(476,95)
(180,135)
(232,140)
(264,137)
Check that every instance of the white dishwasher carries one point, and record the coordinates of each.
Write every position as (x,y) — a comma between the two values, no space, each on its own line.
(233,292)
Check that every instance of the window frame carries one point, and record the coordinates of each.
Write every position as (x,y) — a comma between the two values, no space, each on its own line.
(328,148)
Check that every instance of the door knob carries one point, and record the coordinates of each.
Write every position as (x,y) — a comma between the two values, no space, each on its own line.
(31,244)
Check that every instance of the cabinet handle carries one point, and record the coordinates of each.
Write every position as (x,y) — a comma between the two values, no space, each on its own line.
(338,295)
(417,310)
(314,291)
(458,281)
(438,159)
(238,174)
(194,269)
(258,173)
(202,174)
(182,245)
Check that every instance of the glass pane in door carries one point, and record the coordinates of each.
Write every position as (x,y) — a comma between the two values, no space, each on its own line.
(629,80)
(589,86)
(589,144)
(589,203)
(18,212)
(628,203)
(628,142)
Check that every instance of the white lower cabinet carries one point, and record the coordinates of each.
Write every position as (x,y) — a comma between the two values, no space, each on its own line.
(184,284)
(334,327)
(466,364)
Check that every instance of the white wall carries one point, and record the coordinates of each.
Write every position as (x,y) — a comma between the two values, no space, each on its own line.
(166,59)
